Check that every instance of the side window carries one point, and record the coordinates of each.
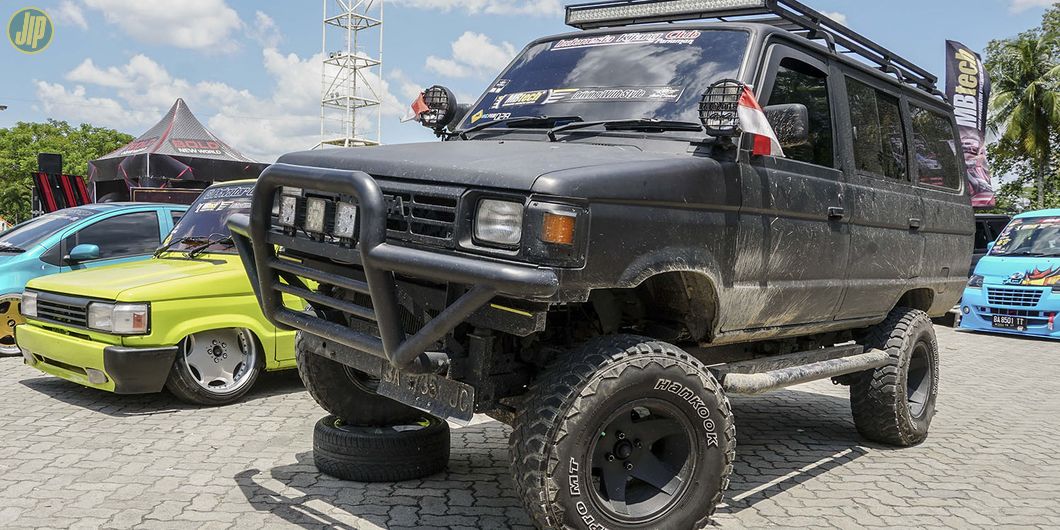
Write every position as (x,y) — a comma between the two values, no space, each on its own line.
(177,214)
(879,143)
(53,256)
(125,235)
(982,236)
(935,140)
(800,83)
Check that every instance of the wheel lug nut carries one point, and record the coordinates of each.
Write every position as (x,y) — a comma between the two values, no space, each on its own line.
(610,457)
(629,466)
(621,435)
(636,443)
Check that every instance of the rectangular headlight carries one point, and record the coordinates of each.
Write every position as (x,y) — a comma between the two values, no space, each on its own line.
(315,212)
(620,12)
(288,210)
(121,319)
(346,220)
(29,304)
(499,222)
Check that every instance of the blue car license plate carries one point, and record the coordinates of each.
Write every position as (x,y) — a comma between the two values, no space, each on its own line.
(1007,322)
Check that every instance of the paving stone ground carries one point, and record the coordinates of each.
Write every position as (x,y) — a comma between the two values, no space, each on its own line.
(76,458)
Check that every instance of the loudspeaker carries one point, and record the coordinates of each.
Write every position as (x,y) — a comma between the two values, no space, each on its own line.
(50,163)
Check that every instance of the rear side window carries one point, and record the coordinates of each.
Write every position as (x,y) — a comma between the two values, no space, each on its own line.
(131,234)
(934,141)
(879,143)
(798,82)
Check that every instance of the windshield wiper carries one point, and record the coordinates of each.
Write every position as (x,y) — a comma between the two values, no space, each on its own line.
(642,124)
(162,249)
(225,240)
(11,248)
(525,121)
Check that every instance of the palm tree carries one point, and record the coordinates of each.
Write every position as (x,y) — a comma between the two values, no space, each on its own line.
(1026,104)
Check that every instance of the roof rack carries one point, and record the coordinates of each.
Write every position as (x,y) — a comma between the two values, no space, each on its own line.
(790,15)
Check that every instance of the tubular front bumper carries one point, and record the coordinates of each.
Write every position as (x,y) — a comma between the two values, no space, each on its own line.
(256,240)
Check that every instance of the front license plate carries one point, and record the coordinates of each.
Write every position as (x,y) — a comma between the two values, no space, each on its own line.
(1007,322)
(445,398)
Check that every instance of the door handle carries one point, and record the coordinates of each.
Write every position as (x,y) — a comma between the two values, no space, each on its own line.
(915,223)
(835,212)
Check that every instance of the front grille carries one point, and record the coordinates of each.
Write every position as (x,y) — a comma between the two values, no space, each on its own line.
(415,215)
(68,312)
(1014,297)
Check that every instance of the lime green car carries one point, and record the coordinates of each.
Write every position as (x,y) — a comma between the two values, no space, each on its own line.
(186,319)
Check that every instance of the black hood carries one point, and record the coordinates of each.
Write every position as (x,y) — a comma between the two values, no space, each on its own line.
(508,164)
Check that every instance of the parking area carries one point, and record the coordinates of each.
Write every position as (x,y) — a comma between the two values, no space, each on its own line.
(74,457)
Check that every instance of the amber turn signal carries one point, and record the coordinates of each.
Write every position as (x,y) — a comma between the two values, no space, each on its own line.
(558,229)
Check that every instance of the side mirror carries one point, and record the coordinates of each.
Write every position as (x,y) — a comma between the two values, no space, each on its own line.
(791,123)
(82,253)
(990,246)
(442,108)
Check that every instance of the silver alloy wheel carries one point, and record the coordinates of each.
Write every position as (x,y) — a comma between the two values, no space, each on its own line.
(221,361)
(10,316)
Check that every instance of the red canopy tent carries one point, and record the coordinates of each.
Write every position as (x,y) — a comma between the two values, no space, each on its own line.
(178,152)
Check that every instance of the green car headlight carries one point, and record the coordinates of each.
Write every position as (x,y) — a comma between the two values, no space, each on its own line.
(120,319)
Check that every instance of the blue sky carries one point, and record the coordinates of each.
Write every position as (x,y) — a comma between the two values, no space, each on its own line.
(251,70)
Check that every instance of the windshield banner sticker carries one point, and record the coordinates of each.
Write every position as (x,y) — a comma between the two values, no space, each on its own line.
(589,95)
(492,116)
(499,86)
(685,37)
(228,192)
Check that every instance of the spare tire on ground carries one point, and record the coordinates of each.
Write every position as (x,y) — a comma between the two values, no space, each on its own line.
(391,453)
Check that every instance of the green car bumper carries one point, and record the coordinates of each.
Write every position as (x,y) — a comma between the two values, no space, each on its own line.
(117,369)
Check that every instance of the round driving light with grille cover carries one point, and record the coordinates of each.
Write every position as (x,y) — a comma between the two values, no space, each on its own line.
(719,108)
(441,105)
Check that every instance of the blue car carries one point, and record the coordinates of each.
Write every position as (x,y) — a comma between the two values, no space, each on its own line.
(1016,287)
(72,239)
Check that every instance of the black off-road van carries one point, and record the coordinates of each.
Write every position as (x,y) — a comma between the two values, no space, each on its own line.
(596,256)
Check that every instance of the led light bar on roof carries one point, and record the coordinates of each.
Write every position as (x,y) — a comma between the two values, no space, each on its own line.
(624,12)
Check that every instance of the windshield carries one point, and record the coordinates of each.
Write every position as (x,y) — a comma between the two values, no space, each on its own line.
(30,233)
(615,76)
(206,217)
(1031,236)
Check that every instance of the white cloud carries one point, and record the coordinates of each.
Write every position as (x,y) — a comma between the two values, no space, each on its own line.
(490,7)
(261,124)
(473,54)
(264,31)
(205,25)
(70,13)
(1019,6)
(836,16)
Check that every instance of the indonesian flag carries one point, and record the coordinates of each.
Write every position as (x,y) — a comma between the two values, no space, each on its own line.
(418,108)
(753,120)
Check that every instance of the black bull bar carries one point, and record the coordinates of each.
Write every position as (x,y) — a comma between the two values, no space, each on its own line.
(256,242)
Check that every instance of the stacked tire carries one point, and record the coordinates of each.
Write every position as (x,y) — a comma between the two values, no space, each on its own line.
(367,437)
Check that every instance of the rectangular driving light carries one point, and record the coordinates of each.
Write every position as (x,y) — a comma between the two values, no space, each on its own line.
(315,212)
(627,12)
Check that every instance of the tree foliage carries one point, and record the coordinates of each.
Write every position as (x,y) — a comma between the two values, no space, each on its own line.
(1025,112)
(19,146)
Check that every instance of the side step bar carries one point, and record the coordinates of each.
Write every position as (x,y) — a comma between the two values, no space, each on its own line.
(763,375)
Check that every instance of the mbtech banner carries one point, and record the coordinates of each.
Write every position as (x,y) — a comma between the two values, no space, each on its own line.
(968,88)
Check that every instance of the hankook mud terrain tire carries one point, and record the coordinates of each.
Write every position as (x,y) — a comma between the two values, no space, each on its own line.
(381,454)
(348,393)
(623,433)
(216,367)
(894,404)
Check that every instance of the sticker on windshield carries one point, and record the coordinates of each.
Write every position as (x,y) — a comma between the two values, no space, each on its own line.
(223,205)
(228,192)
(491,116)
(668,94)
(499,86)
(685,37)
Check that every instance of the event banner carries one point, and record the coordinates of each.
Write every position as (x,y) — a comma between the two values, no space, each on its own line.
(968,88)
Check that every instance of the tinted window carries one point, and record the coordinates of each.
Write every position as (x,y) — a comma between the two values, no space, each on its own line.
(177,214)
(630,74)
(32,232)
(207,216)
(982,235)
(879,144)
(934,142)
(801,83)
(125,235)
